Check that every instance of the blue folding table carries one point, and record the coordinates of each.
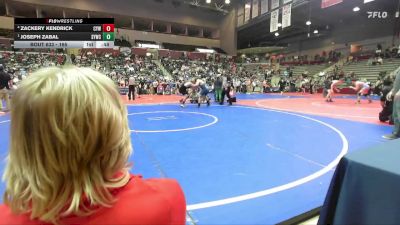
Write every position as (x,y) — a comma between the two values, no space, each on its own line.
(365,188)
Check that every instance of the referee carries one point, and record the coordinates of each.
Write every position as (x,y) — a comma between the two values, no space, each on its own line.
(131,86)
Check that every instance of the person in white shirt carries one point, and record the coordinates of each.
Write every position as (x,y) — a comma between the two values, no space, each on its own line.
(155,85)
(131,86)
(237,85)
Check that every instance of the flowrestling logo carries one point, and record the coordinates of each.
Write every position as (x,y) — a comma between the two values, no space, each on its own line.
(377,15)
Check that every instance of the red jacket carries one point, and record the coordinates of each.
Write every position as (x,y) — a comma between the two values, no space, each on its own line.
(152,201)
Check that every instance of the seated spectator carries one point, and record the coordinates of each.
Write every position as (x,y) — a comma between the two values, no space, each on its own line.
(350,59)
(379,61)
(387,53)
(67,164)
(393,51)
(378,51)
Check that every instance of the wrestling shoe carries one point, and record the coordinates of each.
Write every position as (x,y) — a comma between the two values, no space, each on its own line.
(198,105)
(182,105)
(208,102)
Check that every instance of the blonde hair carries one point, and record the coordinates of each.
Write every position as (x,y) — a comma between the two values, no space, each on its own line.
(70,143)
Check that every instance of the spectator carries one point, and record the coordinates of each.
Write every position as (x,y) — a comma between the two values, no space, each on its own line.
(237,85)
(378,50)
(327,86)
(131,86)
(379,61)
(167,89)
(67,162)
(254,85)
(155,85)
(230,93)
(160,89)
(218,89)
(393,51)
(5,84)
(378,86)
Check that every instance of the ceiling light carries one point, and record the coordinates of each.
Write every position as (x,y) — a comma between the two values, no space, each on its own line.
(308,34)
(308,23)
(276,34)
(247,6)
(366,1)
(315,31)
(279,24)
(227,1)
(356,9)
(208,1)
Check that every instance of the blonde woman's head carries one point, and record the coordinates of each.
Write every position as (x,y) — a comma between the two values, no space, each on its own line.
(69,146)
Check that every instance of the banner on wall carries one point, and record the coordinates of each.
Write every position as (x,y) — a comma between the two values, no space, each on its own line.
(247,10)
(328,3)
(254,9)
(240,20)
(264,6)
(287,15)
(274,4)
(274,21)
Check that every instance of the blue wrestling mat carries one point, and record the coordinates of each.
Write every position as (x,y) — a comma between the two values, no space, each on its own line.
(239,164)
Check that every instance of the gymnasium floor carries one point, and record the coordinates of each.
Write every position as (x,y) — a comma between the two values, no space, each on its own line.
(264,160)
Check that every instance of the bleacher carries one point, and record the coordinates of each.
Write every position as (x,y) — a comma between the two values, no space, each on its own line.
(365,71)
(312,69)
(257,70)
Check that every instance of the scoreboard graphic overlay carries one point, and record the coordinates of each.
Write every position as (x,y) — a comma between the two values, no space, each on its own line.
(64,33)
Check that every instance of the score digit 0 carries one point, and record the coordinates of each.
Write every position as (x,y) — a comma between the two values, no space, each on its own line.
(108,36)
(108,27)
